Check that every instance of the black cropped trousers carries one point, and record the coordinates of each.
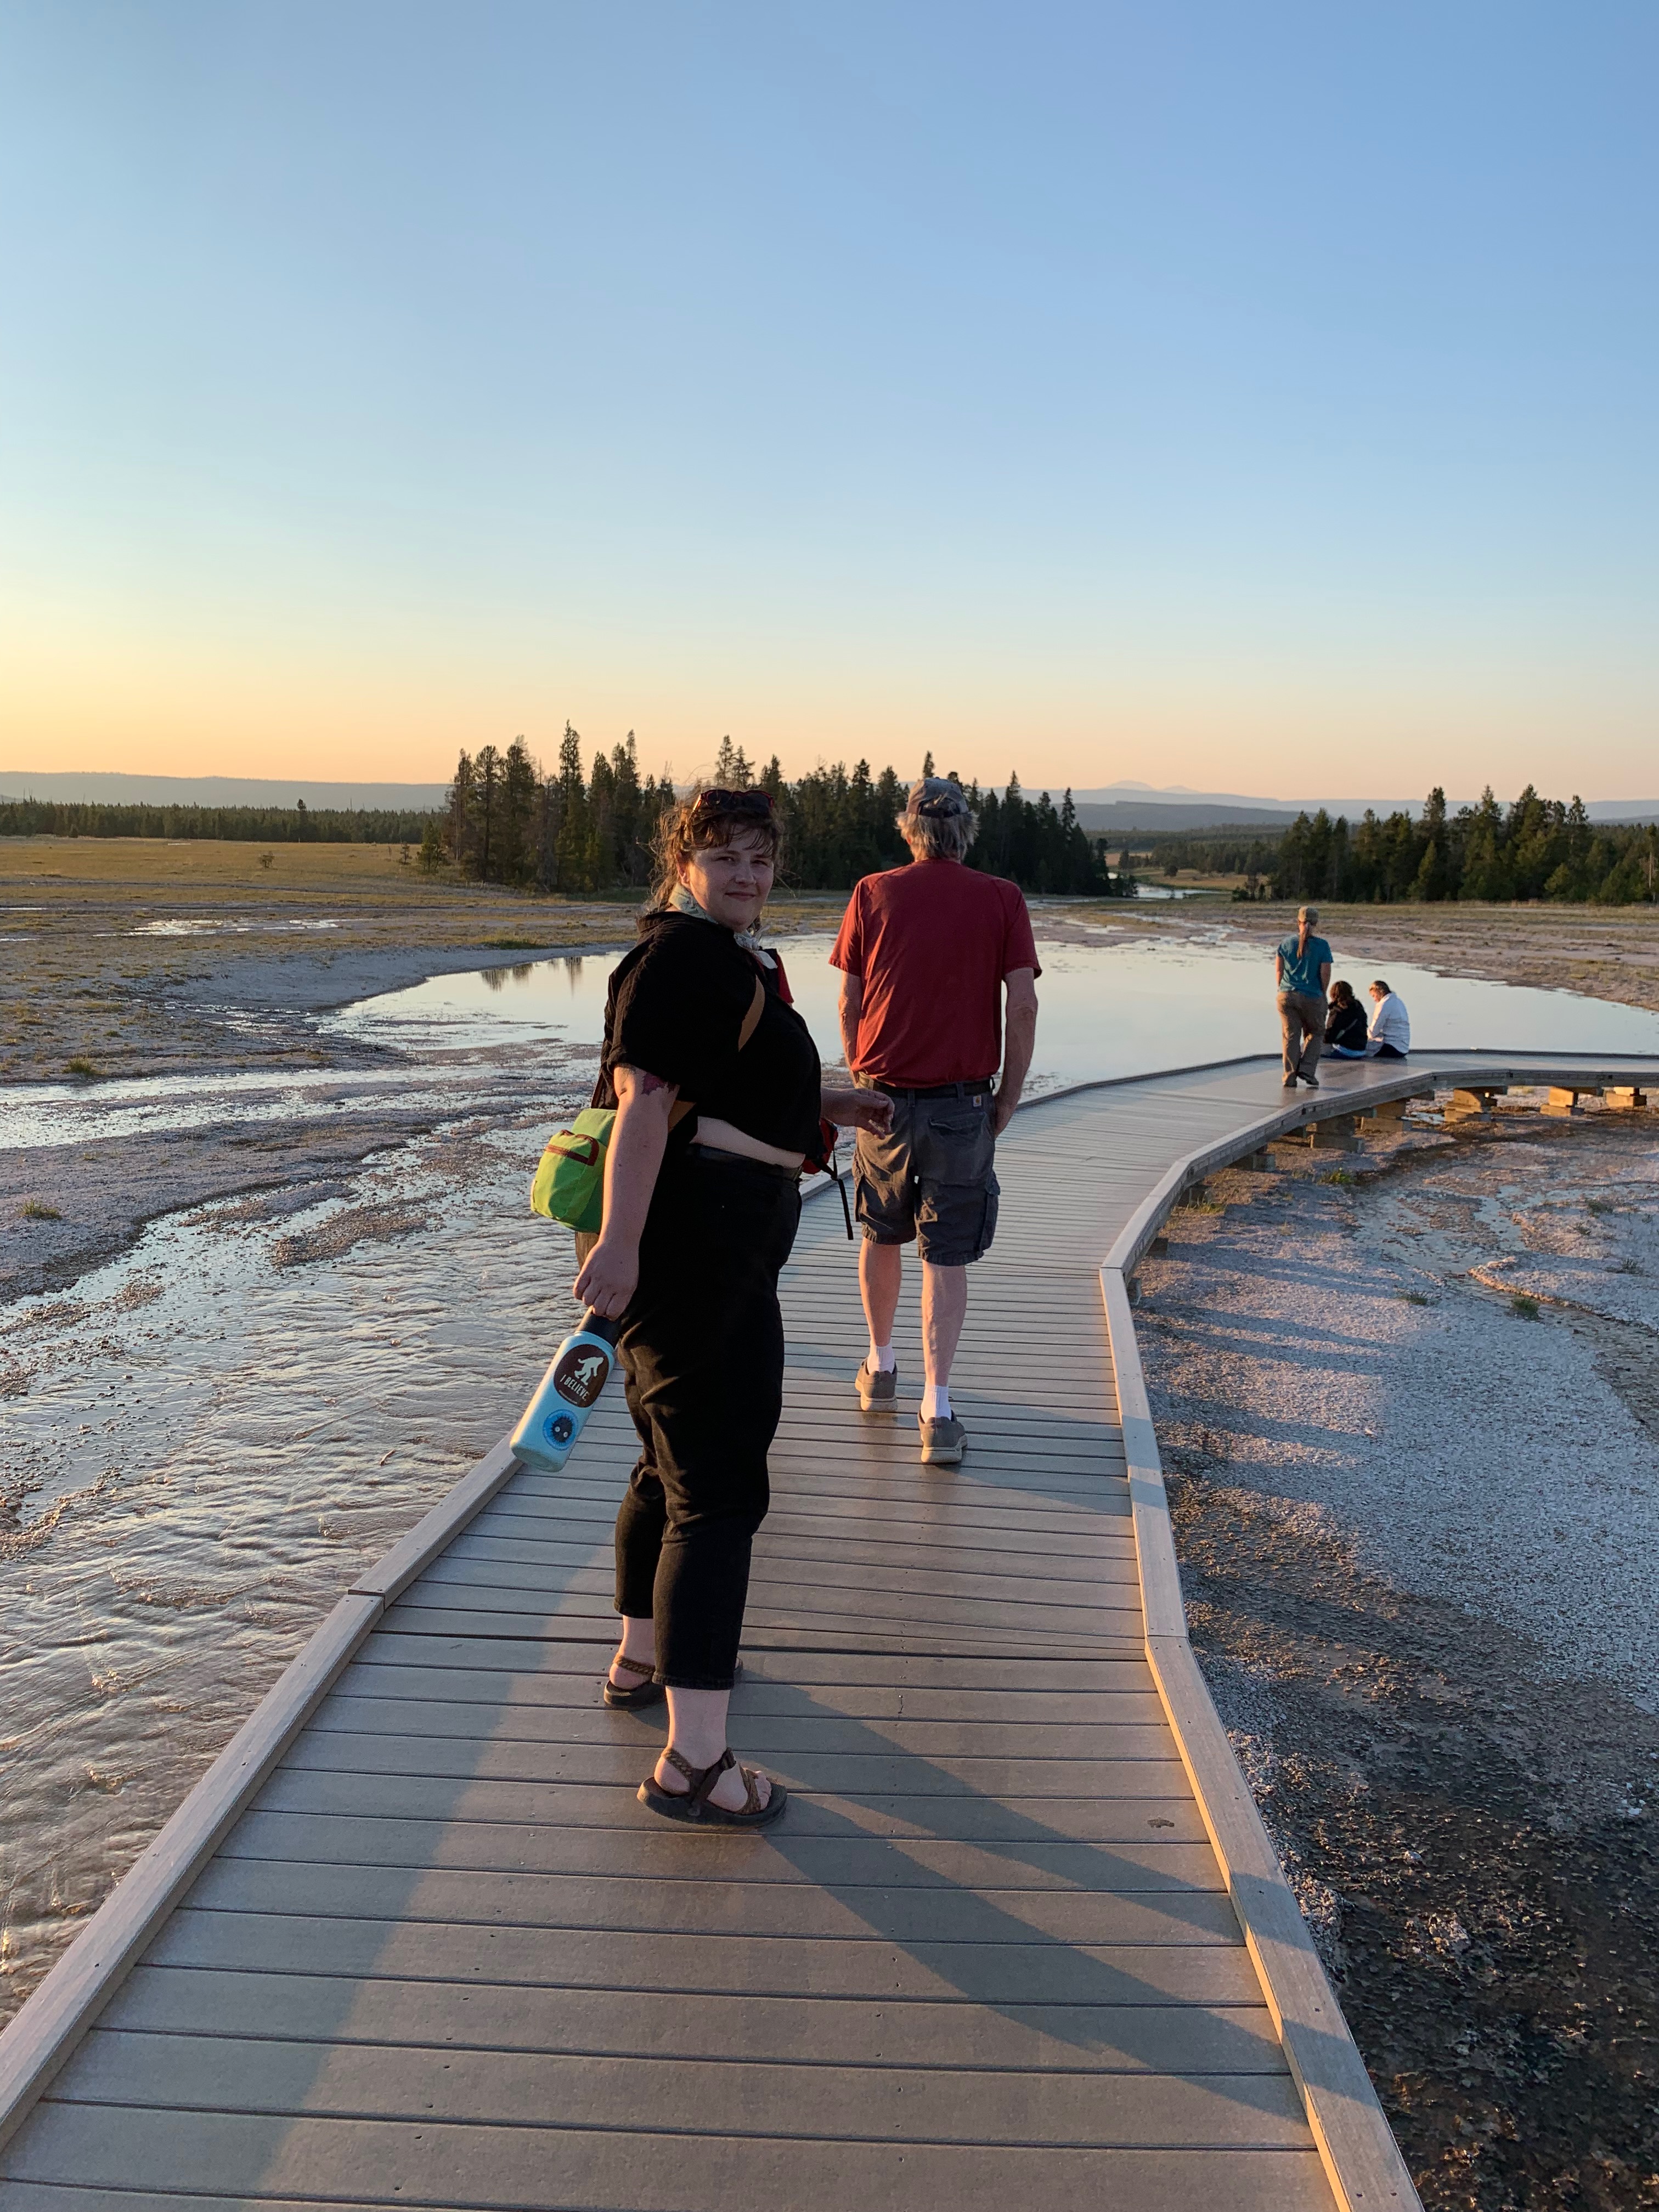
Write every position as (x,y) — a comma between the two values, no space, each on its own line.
(701,1343)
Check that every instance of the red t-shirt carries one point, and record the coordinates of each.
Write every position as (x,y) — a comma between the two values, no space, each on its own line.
(932,944)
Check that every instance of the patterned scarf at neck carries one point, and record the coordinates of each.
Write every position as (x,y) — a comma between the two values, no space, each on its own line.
(682,902)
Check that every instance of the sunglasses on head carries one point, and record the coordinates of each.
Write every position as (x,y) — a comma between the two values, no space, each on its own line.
(757,803)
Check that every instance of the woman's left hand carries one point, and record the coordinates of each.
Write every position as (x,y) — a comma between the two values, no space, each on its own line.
(850,1107)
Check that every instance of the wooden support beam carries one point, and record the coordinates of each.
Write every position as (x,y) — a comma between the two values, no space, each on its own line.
(1562,1101)
(1475,1104)
(1337,1134)
(1624,1098)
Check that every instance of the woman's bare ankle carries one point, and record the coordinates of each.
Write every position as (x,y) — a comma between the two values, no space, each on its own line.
(639,1642)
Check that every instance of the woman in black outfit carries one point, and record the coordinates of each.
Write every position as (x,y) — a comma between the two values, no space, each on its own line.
(1345,1025)
(718,1093)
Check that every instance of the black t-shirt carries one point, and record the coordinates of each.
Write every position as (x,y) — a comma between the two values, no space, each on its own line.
(675,1010)
(1346,1026)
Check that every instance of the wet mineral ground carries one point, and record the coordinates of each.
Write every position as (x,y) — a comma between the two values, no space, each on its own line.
(1410,1420)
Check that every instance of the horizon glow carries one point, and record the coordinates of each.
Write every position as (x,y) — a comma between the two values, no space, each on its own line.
(1261,404)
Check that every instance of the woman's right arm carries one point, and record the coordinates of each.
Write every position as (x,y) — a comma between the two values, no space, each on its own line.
(612,1273)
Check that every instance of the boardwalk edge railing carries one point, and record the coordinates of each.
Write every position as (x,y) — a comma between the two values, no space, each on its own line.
(40,2041)
(1361,2158)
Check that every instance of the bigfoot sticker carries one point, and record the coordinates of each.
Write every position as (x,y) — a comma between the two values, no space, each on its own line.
(579,1376)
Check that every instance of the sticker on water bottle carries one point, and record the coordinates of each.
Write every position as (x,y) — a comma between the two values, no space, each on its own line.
(560,1429)
(579,1376)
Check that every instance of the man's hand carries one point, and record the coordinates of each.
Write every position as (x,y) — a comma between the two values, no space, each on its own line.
(610,1278)
(851,1106)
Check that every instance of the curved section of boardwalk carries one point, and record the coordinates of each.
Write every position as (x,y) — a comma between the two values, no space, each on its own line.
(415,1943)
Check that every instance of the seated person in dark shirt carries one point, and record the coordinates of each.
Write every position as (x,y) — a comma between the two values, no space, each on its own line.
(1345,1025)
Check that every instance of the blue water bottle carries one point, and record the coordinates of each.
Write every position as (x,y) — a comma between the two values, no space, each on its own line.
(566,1394)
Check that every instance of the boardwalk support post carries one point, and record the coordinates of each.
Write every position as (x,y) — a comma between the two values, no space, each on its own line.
(1563,1101)
(1335,1134)
(1475,1104)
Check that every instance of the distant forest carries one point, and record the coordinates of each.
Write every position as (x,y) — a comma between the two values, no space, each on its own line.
(567,831)
(253,825)
(1535,849)
(506,821)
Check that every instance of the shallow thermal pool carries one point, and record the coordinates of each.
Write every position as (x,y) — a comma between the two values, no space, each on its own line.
(1111,1008)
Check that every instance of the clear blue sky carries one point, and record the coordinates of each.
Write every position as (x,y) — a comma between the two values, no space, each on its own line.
(1260,398)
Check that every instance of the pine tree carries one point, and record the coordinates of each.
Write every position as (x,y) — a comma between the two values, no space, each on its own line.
(458,826)
(570,849)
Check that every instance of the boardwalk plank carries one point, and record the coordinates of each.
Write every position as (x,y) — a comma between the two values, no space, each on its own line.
(797,1727)
(909,2104)
(393,1680)
(493,2016)
(1006,1972)
(843,1862)
(911,1914)
(873,1773)
(970,1818)
(521,2170)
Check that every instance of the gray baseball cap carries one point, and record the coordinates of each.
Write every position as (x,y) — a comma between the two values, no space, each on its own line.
(937,797)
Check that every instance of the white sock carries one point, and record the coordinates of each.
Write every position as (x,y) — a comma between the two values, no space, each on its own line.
(882,1361)
(936,1401)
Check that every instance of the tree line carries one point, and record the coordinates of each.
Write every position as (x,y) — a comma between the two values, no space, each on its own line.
(262,825)
(1535,849)
(506,821)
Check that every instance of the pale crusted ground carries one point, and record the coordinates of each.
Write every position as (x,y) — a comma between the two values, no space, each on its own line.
(134,956)
(1419,1534)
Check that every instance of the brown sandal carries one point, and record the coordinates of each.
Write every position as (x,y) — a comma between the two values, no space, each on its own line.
(640,1694)
(694,1804)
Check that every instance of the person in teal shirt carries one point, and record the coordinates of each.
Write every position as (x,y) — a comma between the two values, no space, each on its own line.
(1301,971)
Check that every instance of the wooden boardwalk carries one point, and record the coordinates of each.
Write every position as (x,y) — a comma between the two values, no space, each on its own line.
(413,1943)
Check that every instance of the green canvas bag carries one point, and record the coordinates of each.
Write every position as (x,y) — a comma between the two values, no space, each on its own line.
(570,1184)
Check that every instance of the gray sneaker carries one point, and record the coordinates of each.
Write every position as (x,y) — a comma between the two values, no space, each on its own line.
(941,1442)
(878,1388)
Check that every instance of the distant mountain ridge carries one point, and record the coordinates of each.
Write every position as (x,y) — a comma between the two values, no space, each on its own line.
(1115,806)
(1140,806)
(111,790)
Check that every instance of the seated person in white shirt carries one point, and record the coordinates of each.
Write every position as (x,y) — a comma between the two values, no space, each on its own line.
(1391,1031)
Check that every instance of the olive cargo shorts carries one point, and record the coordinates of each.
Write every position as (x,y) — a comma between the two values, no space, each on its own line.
(931,1179)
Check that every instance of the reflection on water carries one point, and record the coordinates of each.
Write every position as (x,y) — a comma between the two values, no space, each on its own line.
(1116,1008)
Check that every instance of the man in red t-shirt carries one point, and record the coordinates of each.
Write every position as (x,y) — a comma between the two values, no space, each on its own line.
(926,953)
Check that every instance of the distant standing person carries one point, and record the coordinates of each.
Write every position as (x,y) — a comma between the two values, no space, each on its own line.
(926,953)
(1391,1029)
(1302,969)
